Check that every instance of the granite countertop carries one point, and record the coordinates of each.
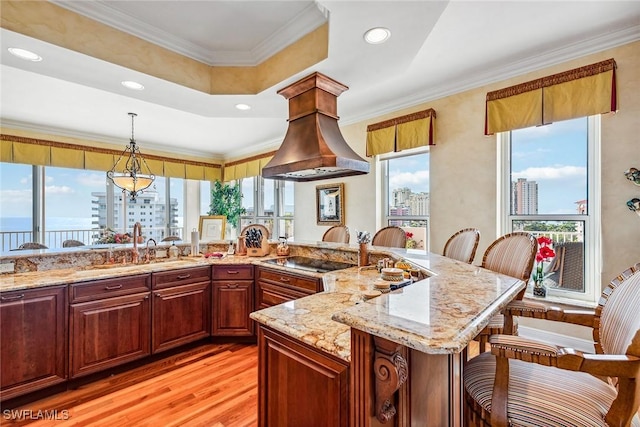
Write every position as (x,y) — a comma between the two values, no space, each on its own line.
(64,276)
(438,315)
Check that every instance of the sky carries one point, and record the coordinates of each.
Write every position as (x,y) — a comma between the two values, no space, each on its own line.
(554,156)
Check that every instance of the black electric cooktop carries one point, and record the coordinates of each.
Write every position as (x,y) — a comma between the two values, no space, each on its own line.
(309,264)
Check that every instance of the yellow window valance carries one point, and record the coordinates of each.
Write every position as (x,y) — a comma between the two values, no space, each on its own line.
(401,133)
(18,149)
(580,92)
(245,168)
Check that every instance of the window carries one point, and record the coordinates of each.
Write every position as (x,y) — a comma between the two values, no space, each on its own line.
(16,199)
(205,197)
(550,187)
(50,205)
(268,202)
(406,195)
(176,206)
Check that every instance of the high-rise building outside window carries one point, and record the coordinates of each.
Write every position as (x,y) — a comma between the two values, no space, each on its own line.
(406,192)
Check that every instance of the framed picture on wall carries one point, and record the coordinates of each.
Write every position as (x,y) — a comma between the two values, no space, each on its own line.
(330,204)
(212,227)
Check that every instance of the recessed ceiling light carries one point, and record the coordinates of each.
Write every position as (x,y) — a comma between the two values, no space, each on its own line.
(132,85)
(25,54)
(377,35)
(243,107)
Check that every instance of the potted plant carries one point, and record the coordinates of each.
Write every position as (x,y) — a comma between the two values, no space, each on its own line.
(226,200)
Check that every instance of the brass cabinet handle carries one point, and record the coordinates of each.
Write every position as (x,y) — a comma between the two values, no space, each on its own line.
(13,298)
(112,288)
(157,294)
(232,272)
(284,279)
(184,276)
(232,285)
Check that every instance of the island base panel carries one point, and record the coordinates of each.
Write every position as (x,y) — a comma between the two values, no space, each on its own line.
(298,385)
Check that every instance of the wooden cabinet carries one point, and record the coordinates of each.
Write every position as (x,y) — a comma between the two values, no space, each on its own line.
(109,323)
(299,385)
(232,300)
(181,307)
(274,287)
(33,340)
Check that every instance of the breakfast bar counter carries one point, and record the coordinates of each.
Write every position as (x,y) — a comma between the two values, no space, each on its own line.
(403,350)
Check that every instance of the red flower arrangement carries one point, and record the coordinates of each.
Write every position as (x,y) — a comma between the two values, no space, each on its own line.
(545,253)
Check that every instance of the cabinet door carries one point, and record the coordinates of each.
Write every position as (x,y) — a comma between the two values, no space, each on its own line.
(109,332)
(288,370)
(33,340)
(232,303)
(180,315)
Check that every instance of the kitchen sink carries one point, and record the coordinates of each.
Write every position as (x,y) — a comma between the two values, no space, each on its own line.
(309,264)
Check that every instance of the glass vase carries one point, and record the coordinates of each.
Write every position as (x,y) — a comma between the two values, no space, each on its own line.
(539,290)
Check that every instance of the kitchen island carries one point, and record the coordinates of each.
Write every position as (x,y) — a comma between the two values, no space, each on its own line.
(335,358)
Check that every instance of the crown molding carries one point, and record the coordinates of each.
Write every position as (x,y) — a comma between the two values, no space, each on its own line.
(504,72)
(303,23)
(300,25)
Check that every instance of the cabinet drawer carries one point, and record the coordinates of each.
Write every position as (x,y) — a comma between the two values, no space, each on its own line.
(270,295)
(184,276)
(302,283)
(232,272)
(107,288)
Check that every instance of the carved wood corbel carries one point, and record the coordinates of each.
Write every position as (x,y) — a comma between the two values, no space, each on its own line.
(391,371)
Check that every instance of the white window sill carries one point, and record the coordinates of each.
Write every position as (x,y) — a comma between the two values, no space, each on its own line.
(560,300)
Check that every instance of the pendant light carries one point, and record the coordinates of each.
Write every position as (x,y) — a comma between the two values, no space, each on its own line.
(131,178)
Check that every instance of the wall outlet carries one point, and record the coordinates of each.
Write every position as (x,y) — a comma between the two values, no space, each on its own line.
(7,267)
(161,253)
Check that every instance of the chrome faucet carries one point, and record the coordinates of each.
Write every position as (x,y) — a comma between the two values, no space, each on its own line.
(137,232)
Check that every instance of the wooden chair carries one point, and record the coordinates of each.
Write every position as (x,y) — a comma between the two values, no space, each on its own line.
(462,245)
(512,254)
(262,228)
(567,268)
(545,385)
(32,245)
(71,243)
(337,233)
(391,237)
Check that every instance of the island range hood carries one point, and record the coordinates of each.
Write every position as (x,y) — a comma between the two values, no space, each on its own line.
(313,147)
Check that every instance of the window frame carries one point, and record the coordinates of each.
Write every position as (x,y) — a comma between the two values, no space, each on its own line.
(279,213)
(383,167)
(592,220)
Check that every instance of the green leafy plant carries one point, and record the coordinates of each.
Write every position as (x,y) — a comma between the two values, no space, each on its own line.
(226,200)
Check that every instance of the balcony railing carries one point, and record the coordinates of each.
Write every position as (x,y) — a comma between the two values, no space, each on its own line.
(559,236)
(11,240)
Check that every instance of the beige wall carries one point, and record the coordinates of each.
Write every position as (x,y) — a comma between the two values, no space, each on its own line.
(463,168)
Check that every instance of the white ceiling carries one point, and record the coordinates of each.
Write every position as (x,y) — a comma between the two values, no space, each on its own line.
(436,48)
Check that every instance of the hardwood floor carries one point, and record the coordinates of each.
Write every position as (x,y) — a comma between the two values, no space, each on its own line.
(213,385)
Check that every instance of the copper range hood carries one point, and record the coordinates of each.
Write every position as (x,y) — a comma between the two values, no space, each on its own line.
(313,147)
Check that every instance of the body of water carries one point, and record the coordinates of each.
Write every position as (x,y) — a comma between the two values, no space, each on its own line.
(52,224)
(17,230)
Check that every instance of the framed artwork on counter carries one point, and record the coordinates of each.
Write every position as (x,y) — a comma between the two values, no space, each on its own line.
(212,227)
(330,204)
